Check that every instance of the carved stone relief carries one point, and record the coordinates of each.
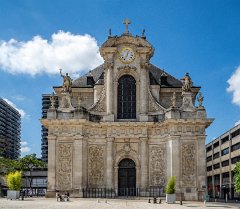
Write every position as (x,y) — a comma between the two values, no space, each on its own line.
(158,165)
(96,166)
(188,150)
(64,166)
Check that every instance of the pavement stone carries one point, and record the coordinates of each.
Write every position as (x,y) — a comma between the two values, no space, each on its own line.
(79,203)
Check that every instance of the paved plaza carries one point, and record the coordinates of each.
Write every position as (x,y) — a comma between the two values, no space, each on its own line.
(78,203)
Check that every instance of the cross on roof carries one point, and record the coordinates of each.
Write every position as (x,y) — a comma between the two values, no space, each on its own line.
(127,22)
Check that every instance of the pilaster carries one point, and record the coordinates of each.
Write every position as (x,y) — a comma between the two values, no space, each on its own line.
(109,170)
(144,163)
(51,166)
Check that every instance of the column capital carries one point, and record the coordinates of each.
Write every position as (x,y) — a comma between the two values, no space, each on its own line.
(143,139)
(51,137)
(78,137)
(110,139)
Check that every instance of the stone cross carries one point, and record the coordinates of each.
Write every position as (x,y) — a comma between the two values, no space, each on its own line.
(127,22)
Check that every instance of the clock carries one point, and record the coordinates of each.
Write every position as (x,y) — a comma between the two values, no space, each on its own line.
(126,55)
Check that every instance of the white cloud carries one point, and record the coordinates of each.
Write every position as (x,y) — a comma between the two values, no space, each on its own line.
(18,97)
(25,149)
(24,143)
(72,53)
(237,123)
(22,112)
(234,86)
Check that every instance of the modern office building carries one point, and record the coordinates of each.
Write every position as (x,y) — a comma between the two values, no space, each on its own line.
(45,106)
(221,155)
(10,131)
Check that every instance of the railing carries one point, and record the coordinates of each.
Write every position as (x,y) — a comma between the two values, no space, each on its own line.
(123,192)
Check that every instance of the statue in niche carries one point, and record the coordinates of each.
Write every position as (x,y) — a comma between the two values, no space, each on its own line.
(187,83)
(67,83)
(200,99)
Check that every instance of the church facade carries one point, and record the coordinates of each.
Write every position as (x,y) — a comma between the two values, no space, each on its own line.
(126,124)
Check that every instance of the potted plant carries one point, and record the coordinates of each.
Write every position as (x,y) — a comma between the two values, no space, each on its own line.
(170,190)
(14,183)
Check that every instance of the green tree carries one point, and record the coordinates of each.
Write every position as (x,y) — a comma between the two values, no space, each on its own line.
(28,163)
(170,188)
(14,180)
(8,165)
(237,177)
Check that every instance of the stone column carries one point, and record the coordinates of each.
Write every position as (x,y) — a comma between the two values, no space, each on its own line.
(144,162)
(84,162)
(77,165)
(51,166)
(143,91)
(109,170)
(109,90)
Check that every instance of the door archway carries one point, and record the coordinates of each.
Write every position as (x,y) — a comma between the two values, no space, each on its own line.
(126,177)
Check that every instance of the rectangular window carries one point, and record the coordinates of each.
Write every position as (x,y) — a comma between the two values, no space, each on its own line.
(209,149)
(235,147)
(225,163)
(216,155)
(209,158)
(216,166)
(216,144)
(225,151)
(209,168)
(225,139)
(235,159)
(235,133)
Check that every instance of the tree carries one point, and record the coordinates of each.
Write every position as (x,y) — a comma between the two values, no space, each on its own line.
(28,163)
(237,177)
(8,165)
(14,180)
(170,188)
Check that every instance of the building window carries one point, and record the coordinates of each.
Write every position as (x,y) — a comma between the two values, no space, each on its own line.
(225,139)
(126,97)
(209,158)
(209,149)
(225,151)
(216,155)
(216,144)
(225,163)
(235,133)
(209,168)
(235,147)
(235,159)
(216,166)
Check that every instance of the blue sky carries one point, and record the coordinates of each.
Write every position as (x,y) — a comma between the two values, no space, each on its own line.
(37,37)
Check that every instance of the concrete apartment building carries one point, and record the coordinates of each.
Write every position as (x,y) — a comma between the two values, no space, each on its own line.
(221,155)
(44,143)
(10,131)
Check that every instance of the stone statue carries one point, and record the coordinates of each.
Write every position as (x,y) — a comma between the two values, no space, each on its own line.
(67,83)
(187,83)
(200,99)
(52,100)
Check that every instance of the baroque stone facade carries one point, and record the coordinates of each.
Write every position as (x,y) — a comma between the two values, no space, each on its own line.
(126,117)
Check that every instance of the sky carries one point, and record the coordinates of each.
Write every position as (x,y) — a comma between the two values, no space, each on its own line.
(38,37)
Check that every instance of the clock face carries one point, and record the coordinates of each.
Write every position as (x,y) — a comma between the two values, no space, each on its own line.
(127,55)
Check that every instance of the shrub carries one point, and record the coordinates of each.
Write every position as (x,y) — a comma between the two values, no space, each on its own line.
(170,188)
(14,180)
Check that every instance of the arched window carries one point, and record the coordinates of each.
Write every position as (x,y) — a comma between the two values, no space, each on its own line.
(126,97)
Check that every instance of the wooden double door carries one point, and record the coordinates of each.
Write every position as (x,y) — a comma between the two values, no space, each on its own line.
(126,178)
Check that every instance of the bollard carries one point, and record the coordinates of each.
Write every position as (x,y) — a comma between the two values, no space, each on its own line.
(106,201)
(160,201)
(149,200)
(98,201)
(180,202)
(154,200)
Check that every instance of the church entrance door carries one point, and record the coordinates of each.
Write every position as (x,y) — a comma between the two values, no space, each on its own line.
(126,178)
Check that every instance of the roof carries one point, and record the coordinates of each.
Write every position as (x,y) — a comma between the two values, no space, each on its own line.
(154,75)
